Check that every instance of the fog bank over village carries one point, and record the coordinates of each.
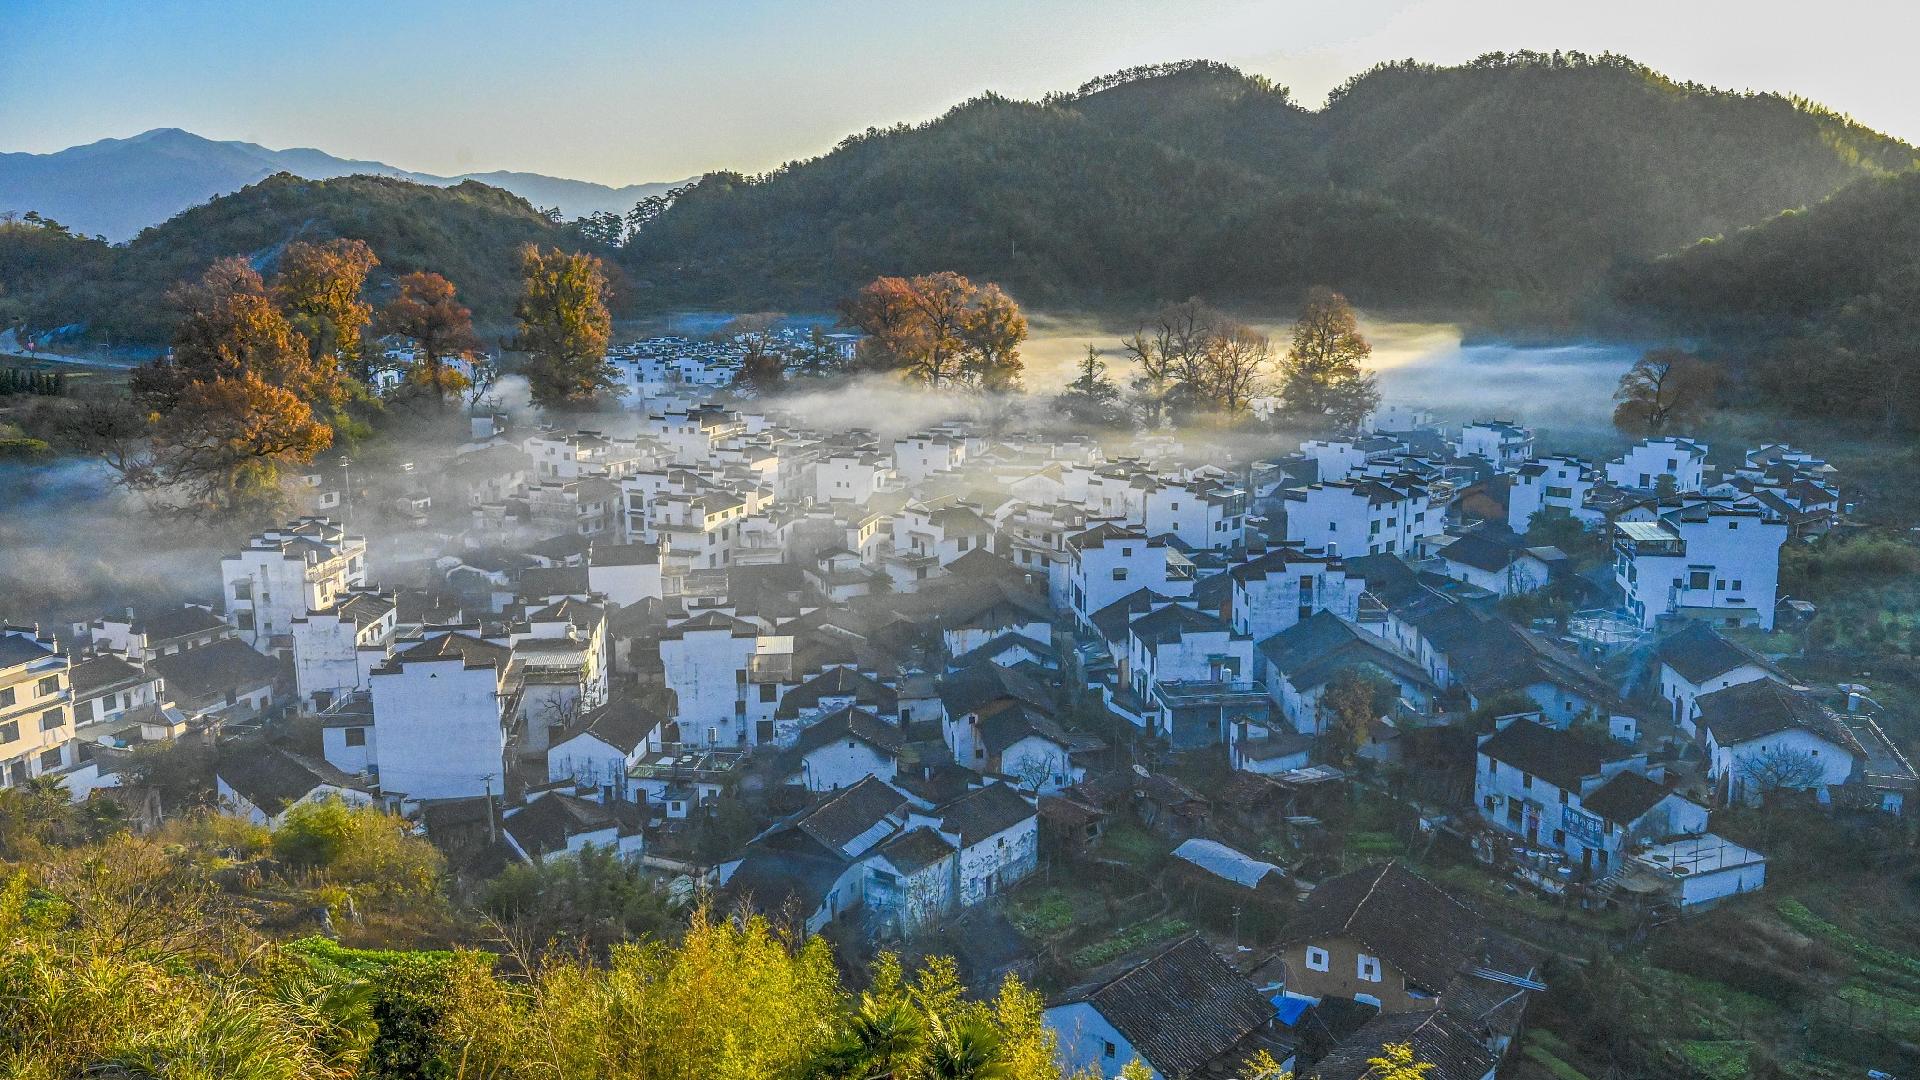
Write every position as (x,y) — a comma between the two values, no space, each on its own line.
(1160,581)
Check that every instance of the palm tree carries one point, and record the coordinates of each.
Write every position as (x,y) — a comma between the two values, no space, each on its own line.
(879,1042)
(966,1050)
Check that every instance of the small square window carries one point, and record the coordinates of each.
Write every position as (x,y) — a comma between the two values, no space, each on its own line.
(1317,959)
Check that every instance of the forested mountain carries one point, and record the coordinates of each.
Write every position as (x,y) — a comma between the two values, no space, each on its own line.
(1819,306)
(116,187)
(1415,184)
(469,233)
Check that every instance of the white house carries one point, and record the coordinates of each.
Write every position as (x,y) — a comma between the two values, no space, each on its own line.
(1683,461)
(1587,801)
(337,648)
(842,748)
(1721,564)
(1365,517)
(1764,736)
(706,660)
(1203,514)
(282,574)
(261,783)
(1550,485)
(603,746)
(444,707)
(1502,442)
(1696,661)
(851,476)
(1111,561)
(1500,567)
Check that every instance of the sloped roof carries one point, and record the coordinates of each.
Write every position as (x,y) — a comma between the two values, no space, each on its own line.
(845,816)
(1623,799)
(97,673)
(982,812)
(273,777)
(838,682)
(1401,917)
(964,691)
(1750,710)
(1559,758)
(623,723)
(1168,624)
(850,723)
(1699,652)
(1323,644)
(546,824)
(214,668)
(1453,1051)
(914,850)
(1182,1008)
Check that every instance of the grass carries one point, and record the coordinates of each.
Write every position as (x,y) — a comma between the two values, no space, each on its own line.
(1543,1048)
(1133,937)
(1717,1059)
(1056,911)
(1134,846)
(1801,918)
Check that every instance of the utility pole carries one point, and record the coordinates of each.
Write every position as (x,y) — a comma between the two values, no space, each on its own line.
(493,827)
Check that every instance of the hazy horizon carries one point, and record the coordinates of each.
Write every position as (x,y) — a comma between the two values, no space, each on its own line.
(620,95)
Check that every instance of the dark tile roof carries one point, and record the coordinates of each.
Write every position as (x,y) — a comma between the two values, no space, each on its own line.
(214,668)
(1404,919)
(771,877)
(623,723)
(472,651)
(544,581)
(1015,722)
(1112,621)
(865,690)
(18,650)
(1453,1052)
(964,691)
(99,673)
(272,777)
(544,825)
(850,723)
(844,816)
(1559,758)
(1698,652)
(1480,552)
(1623,799)
(1320,646)
(982,812)
(913,851)
(1750,710)
(1002,643)
(1170,623)
(1181,1008)
(182,621)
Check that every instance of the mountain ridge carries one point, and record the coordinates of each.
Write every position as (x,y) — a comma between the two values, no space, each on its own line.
(115,187)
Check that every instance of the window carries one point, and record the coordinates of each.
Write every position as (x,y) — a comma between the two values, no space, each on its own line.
(243,590)
(48,686)
(1317,959)
(50,758)
(1119,573)
(356,736)
(1526,781)
(1368,968)
(1697,579)
(768,692)
(51,720)
(243,619)
(10,731)
(6,697)
(1107,1049)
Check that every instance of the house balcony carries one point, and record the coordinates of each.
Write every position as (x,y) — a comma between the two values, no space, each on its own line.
(1192,694)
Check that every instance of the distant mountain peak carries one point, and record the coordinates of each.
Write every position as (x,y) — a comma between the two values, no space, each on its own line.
(116,187)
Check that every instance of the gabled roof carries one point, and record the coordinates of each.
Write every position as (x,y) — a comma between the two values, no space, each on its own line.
(474,652)
(98,673)
(1404,919)
(915,850)
(964,691)
(846,816)
(546,824)
(272,777)
(214,668)
(850,723)
(623,723)
(1169,624)
(1750,710)
(1559,758)
(711,620)
(1699,652)
(983,812)
(178,622)
(839,682)
(1625,798)
(1320,646)
(1113,620)
(1182,1008)
(1481,552)
(1452,1050)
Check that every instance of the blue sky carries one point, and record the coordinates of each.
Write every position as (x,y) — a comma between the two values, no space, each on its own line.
(648,90)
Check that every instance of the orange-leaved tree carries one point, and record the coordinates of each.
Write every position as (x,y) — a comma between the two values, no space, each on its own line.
(564,328)
(425,312)
(318,288)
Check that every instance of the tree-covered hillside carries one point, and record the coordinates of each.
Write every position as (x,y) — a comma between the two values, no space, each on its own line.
(1415,184)
(470,233)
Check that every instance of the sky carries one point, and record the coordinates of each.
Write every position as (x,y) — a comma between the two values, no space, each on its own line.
(645,90)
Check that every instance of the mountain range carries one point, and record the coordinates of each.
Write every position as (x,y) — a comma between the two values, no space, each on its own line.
(1519,180)
(116,187)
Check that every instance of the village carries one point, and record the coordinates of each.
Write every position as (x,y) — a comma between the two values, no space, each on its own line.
(1229,752)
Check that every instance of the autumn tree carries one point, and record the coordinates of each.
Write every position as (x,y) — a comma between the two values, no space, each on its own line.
(1665,389)
(318,288)
(424,311)
(940,329)
(1350,704)
(1322,378)
(763,363)
(232,404)
(564,328)
(1192,359)
(1093,398)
